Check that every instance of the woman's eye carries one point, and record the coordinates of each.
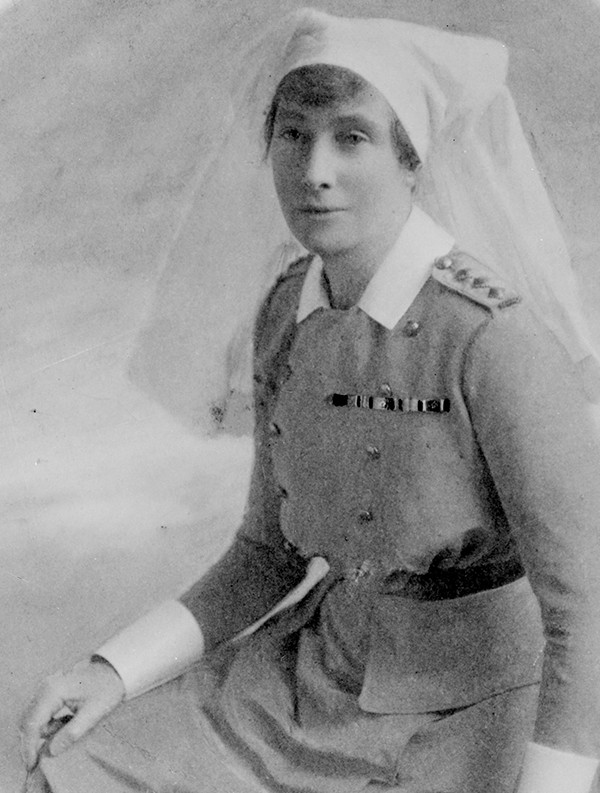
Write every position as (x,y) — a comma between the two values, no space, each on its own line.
(289,133)
(353,139)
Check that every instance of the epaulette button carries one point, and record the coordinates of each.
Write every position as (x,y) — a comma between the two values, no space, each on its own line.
(510,301)
(411,328)
(445,263)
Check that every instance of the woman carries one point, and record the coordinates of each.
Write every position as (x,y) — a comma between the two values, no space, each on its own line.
(425,470)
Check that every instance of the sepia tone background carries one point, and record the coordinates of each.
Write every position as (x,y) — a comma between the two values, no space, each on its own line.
(113,496)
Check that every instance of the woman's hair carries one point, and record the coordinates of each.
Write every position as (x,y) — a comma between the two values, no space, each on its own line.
(324,85)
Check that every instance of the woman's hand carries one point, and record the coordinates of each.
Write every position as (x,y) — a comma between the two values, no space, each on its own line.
(90,691)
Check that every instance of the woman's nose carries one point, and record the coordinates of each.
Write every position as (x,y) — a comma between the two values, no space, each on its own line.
(318,165)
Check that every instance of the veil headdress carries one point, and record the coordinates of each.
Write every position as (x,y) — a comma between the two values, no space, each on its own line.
(478,180)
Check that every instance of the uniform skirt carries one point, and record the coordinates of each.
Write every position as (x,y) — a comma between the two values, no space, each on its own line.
(280,714)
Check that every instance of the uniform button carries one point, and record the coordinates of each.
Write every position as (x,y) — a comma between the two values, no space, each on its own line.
(360,572)
(287,546)
(373,452)
(365,516)
(274,429)
(479,282)
(411,328)
(462,275)
(386,389)
(445,263)
(496,293)
(283,492)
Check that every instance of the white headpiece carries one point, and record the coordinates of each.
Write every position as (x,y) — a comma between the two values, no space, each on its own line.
(478,180)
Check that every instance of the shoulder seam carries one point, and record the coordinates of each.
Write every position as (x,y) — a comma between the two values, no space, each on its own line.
(293,268)
(475,336)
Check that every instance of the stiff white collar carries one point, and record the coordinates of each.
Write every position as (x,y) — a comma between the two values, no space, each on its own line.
(397,281)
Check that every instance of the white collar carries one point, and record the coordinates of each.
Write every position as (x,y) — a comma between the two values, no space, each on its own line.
(397,281)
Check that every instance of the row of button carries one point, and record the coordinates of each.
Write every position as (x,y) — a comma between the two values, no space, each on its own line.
(464,274)
(372,451)
(364,516)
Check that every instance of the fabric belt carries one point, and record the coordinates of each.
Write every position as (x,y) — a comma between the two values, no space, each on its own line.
(454,582)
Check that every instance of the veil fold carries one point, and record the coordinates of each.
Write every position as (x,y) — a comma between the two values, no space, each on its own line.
(478,180)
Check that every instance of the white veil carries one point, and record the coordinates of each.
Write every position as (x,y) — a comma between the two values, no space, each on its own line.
(479,181)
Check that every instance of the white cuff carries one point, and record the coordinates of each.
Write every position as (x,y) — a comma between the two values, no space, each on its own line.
(547,770)
(155,648)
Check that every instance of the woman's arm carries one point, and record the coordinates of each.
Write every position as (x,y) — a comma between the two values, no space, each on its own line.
(261,567)
(538,435)
(253,576)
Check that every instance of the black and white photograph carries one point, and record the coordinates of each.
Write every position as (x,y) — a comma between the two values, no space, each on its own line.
(300,396)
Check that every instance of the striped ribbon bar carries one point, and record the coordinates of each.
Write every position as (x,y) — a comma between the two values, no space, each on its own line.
(393,404)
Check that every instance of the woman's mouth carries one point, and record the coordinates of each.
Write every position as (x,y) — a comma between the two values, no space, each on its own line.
(319,210)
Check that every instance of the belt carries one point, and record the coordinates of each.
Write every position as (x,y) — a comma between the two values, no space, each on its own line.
(452,583)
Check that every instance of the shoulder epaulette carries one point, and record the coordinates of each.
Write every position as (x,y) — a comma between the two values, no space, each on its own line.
(462,273)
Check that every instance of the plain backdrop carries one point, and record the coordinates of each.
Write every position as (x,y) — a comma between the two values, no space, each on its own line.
(112,495)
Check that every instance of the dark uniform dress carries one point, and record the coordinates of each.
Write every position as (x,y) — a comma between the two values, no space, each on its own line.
(431,464)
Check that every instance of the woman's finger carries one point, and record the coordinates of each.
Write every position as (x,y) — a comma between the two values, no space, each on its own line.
(90,691)
(36,722)
(85,719)
(55,725)
(30,750)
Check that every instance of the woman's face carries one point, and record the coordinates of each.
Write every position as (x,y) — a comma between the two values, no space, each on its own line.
(340,184)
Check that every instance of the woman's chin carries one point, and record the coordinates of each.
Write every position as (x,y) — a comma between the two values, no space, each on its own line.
(326,234)
(324,245)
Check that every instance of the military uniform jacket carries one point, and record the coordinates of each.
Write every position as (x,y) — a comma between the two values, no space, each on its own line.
(435,461)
